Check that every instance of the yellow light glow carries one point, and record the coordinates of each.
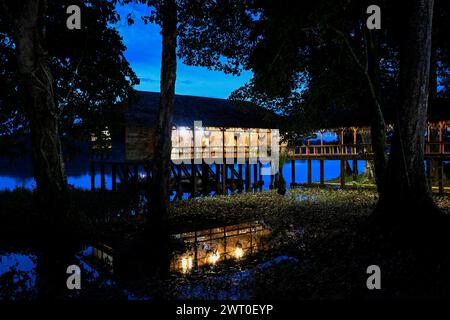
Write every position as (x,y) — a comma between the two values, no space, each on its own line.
(186,264)
(238,252)
(183,132)
(213,258)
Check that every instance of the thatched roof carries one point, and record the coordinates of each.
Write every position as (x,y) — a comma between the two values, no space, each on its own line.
(211,111)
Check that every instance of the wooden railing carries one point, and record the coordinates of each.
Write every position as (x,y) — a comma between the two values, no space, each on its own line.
(432,148)
(218,152)
(331,150)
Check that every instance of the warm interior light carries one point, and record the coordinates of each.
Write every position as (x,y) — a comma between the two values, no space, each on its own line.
(183,132)
(238,252)
(214,257)
(186,264)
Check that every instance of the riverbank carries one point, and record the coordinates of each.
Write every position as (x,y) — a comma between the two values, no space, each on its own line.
(317,247)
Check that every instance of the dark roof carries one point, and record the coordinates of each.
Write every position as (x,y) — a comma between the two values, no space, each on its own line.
(438,110)
(187,109)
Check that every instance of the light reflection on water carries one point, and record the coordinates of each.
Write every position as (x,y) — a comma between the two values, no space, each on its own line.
(211,246)
(206,247)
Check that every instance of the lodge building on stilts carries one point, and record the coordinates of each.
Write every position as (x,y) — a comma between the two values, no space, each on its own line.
(219,146)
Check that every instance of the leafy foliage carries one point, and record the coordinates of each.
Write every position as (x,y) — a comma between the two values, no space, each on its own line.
(93,79)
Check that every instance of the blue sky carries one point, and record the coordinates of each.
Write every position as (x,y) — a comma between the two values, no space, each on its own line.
(144,54)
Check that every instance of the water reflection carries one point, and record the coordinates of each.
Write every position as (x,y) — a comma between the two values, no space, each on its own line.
(204,247)
(211,246)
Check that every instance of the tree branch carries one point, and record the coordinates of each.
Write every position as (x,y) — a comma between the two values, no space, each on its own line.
(363,69)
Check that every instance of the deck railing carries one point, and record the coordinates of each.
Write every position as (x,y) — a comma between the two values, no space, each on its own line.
(219,152)
(432,148)
(331,150)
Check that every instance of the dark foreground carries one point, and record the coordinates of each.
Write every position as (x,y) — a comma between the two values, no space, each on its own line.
(320,246)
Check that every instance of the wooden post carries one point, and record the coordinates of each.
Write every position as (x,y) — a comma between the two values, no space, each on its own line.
(292,173)
(255,177)
(441,177)
(92,176)
(224,179)
(114,177)
(342,173)
(218,187)
(179,185)
(309,172)
(193,179)
(247,176)
(355,170)
(322,172)
(232,178)
(102,177)
(240,181)
(261,181)
(205,179)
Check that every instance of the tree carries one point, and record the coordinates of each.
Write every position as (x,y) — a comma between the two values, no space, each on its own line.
(406,183)
(178,21)
(93,80)
(66,80)
(28,31)
(159,198)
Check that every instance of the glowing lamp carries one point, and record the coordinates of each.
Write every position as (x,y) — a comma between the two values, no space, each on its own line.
(214,257)
(238,251)
(186,264)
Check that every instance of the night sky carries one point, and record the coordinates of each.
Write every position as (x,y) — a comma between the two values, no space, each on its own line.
(144,54)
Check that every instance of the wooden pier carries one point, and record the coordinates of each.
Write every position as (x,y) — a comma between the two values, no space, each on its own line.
(195,179)
(207,179)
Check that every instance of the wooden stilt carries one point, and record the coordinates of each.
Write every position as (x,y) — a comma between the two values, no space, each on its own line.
(292,173)
(193,179)
(272,181)
(322,172)
(232,178)
(255,177)
(240,181)
(92,176)
(114,177)
(342,173)
(125,175)
(218,185)
(102,177)
(261,181)
(309,172)
(247,176)
(205,179)
(355,170)
(224,179)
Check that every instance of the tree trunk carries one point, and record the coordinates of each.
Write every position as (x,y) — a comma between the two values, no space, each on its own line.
(378,125)
(406,186)
(158,213)
(27,19)
(37,88)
